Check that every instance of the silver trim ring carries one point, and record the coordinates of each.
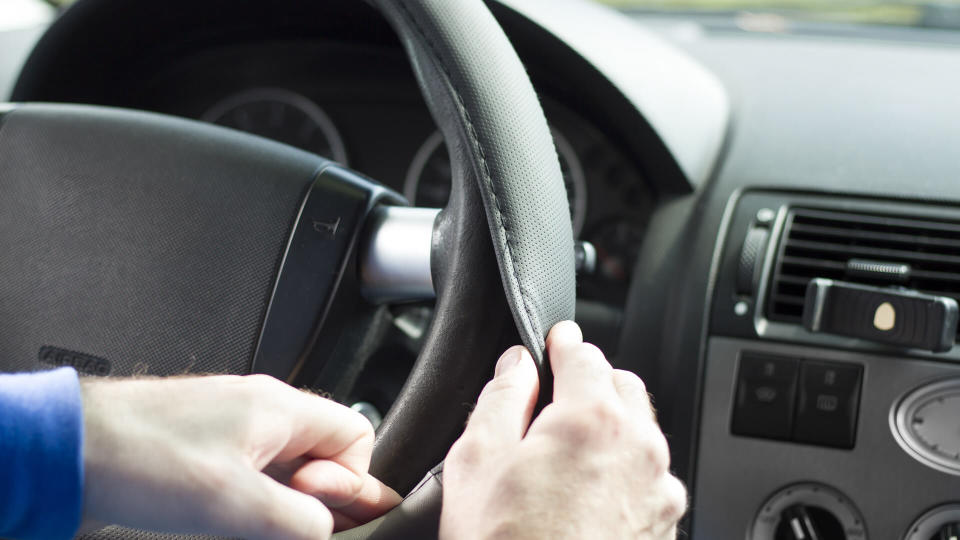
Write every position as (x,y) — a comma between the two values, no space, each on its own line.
(901,417)
(287,97)
(927,525)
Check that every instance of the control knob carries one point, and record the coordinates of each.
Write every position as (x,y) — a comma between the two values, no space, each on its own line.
(941,523)
(808,511)
(803,522)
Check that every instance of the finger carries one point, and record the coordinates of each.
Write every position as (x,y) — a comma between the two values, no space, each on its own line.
(283,471)
(342,522)
(335,485)
(274,511)
(634,394)
(374,500)
(580,370)
(325,429)
(564,333)
(503,410)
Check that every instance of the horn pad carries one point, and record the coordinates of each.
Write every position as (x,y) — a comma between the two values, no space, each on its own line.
(134,243)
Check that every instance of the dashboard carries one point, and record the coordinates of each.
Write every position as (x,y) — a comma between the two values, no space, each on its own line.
(358,103)
(367,113)
(855,124)
(836,145)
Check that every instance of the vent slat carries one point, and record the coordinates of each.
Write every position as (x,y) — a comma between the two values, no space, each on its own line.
(794,280)
(844,235)
(935,276)
(814,263)
(818,243)
(887,222)
(892,255)
(785,299)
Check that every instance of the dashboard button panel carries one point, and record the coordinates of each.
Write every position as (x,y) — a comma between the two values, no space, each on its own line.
(827,403)
(790,399)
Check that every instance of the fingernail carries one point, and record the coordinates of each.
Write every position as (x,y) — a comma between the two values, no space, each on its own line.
(508,360)
(564,333)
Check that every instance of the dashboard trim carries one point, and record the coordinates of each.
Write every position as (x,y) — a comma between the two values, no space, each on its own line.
(686,105)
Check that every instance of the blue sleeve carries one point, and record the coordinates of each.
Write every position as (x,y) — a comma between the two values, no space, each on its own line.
(41,455)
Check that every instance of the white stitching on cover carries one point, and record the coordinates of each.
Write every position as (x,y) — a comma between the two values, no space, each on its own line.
(474,139)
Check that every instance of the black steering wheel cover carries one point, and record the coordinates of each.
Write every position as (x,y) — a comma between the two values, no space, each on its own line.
(483,101)
(507,180)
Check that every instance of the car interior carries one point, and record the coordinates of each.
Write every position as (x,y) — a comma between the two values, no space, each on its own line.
(759,217)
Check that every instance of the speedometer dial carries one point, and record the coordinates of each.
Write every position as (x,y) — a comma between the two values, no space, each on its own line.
(428,179)
(283,116)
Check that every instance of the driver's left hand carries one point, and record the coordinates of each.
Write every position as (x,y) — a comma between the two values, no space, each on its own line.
(226,455)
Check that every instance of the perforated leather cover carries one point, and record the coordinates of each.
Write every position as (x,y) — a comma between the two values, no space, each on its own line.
(483,101)
(417,517)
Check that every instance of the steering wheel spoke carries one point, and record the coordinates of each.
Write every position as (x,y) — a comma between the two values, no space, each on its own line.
(396,253)
(317,277)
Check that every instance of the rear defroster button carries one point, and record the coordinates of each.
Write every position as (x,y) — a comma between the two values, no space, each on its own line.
(827,404)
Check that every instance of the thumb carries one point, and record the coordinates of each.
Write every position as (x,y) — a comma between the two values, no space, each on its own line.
(505,406)
(277,512)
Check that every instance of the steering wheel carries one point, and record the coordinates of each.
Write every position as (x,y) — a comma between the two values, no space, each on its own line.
(135,242)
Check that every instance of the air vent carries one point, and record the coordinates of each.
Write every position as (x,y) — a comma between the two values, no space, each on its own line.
(840,245)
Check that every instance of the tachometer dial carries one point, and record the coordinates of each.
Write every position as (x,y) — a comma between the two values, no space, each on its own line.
(428,179)
(283,116)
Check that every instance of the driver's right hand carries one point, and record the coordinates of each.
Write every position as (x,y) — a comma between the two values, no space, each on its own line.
(593,464)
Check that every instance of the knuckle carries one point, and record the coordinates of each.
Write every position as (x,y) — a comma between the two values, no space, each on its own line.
(270,525)
(467,452)
(503,384)
(595,422)
(322,524)
(515,484)
(362,426)
(675,500)
(347,488)
(606,415)
(654,451)
(579,428)
(278,522)
(262,383)
(631,380)
(368,435)
(592,352)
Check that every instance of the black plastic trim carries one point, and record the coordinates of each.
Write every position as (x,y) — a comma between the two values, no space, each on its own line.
(318,254)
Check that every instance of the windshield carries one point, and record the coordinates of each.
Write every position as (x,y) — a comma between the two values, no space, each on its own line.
(930,13)
(918,13)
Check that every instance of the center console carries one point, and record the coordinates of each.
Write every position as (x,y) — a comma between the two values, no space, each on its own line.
(849,433)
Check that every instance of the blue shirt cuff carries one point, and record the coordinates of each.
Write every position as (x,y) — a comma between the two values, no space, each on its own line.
(41,455)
